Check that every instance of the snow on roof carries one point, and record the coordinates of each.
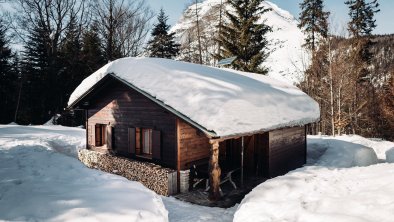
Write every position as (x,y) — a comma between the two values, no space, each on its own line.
(225,101)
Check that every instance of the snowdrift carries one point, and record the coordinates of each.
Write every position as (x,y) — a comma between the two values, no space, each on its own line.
(39,184)
(339,153)
(390,155)
(332,188)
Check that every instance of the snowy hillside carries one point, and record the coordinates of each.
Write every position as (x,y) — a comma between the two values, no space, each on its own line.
(287,60)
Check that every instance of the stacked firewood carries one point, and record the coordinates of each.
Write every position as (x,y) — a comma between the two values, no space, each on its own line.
(150,175)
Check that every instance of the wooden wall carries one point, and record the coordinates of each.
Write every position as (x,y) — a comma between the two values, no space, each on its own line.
(122,108)
(255,154)
(193,145)
(287,150)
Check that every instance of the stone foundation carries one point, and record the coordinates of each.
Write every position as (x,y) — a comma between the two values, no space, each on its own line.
(184,181)
(159,179)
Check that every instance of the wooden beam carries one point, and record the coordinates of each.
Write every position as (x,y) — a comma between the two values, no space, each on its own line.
(214,172)
(178,153)
(87,128)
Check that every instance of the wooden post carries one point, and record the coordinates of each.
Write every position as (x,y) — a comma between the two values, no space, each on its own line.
(242,161)
(214,172)
(87,128)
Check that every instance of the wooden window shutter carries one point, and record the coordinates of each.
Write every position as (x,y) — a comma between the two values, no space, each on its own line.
(109,141)
(156,144)
(97,135)
(132,140)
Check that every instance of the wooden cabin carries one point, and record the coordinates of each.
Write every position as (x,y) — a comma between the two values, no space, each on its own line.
(228,126)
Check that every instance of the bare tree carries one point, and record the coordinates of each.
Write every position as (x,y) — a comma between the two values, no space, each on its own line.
(198,34)
(123,26)
(54,16)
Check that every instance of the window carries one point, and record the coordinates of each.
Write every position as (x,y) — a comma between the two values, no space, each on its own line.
(145,142)
(100,134)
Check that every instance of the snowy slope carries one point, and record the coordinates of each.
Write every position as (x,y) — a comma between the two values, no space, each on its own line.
(221,100)
(287,60)
(39,184)
(331,188)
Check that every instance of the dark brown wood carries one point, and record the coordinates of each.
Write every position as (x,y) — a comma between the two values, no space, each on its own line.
(286,150)
(87,129)
(138,141)
(156,144)
(123,108)
(132,140)
(193,145)
(109,137)
(214,172)
(178,152)
(97,135)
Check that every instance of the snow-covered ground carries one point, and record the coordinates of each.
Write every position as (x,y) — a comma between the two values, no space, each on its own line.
(38,183)
(333,187)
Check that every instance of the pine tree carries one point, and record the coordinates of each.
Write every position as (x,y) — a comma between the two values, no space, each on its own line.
(8,77)
(244,37)
(162,45)
(70,74)
(313,21)
(360,26)
(92,55)
(35,71)
(362,15)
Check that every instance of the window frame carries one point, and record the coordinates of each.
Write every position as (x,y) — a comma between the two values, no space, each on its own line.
(143,141)
(137,141)
(102,134)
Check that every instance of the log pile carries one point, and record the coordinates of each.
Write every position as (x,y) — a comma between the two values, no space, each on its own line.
(153,176)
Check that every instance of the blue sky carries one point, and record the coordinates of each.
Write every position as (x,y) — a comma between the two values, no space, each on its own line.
(384,18)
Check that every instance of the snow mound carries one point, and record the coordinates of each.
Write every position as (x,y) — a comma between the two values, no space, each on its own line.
(330,189)
(225,101)
(39,184)
(321,194)
(390,155)
(330,152)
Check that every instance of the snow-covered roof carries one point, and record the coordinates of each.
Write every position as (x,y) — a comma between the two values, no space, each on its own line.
(223,101)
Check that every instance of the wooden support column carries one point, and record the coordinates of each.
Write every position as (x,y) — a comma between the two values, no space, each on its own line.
(214,172)
(87,128)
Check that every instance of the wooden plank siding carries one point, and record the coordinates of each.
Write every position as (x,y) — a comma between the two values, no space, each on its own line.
(287,150)
(255,154)
(193,145)
(122,108)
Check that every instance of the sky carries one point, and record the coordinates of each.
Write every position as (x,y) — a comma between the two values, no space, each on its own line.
(338,9)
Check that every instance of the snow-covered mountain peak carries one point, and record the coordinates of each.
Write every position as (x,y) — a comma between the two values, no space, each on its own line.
(288,59)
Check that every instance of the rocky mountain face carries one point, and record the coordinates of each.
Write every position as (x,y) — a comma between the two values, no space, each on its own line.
(287,60)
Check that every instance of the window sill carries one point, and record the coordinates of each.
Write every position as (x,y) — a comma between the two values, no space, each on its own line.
(144,156)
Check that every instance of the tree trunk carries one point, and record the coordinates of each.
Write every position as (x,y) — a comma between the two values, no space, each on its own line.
(214,172)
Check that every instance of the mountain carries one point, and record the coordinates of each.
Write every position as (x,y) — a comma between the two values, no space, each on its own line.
(287,59)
